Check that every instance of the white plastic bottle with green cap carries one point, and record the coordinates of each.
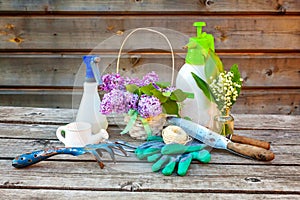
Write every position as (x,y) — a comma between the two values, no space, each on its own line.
(199,109)
(89,108)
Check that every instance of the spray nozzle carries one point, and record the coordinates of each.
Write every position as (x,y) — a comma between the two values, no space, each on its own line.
(199,46)
(199,26)
(92,70)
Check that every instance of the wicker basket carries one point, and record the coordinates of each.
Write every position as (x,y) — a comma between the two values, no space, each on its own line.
(156,125)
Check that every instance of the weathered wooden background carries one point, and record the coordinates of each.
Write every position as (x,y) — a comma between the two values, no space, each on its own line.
(41,44)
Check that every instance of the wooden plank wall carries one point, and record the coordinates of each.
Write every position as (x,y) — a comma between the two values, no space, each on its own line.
(41,44)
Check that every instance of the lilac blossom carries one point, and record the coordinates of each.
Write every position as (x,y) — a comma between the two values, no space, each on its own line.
(134,81)
(149,106)
(169,89)
(131,101)
(151,77)
(112,81)
(118,100)
(114,101)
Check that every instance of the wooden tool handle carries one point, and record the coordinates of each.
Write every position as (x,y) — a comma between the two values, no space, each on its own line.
(257,153)
(250,141)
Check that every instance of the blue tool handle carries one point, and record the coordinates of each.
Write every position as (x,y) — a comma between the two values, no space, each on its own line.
(28,159)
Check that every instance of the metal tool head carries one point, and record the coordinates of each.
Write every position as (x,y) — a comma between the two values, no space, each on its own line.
(111,148)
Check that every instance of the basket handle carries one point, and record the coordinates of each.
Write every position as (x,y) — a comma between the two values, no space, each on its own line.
(154,31)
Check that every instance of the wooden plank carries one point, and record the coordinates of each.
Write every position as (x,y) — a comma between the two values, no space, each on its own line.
(153,7)
(31,115)
(47,194)
(231,32)
(64,175)
(252,101)
(268,101)
(285,154)
(47,132)
(257,69)
(51,98)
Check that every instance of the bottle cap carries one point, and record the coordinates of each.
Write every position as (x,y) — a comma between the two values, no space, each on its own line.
(199,46)
(92,71)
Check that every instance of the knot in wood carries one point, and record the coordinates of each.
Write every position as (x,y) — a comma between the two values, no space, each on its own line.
(252,179)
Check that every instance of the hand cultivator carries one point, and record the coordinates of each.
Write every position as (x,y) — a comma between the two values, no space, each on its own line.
(113,148)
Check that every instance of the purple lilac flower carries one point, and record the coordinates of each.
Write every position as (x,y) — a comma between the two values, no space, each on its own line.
(135,81)
(114,101)
(131,101)
(106,106)
(149,106)
(112,81)
(169,89)
(151,77)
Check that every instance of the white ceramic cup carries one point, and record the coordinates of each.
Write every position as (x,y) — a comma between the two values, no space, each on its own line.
(75,134)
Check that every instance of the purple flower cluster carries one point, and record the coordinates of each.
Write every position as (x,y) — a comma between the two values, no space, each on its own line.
(113,102)
(118,100)
(112,81)
(131,101)
(151,77)
(169,89)
(149,106)
(116,81)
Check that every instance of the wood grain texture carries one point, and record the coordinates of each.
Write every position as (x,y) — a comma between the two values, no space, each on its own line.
(226,176)
(41,44)
(75,33)
(261,36)
(151,6)
(32,69)
(35,115)
(279,137)
(24,194)
(200,178)
(251,101)
(19,146)
(247,140)
(254,152)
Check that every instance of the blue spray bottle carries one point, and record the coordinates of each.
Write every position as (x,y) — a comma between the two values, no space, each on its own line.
(89,109)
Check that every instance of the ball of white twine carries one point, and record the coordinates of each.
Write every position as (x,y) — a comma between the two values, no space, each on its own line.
(175,134)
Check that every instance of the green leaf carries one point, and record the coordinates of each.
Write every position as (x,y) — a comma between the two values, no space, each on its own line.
(166,94)
(147,89)
(163,84)
(213,66)
(170,107)
(236,74)
(204,87)
(236,77)
(190,95)
(178,95)
(132,88)
(159,95)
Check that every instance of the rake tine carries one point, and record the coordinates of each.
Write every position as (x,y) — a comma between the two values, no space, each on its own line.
(98,158)
(110,151)
(120,148)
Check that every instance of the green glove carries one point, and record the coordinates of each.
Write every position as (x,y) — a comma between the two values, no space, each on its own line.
(166,157)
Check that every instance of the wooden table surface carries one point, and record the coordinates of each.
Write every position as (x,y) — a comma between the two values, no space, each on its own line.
(67,177)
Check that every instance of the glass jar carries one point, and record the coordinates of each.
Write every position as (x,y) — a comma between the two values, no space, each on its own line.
(224,123)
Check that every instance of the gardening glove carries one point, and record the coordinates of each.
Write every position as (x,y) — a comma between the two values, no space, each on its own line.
(166,157)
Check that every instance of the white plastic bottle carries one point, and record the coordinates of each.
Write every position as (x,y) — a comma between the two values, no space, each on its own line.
(89,109)
(199,109)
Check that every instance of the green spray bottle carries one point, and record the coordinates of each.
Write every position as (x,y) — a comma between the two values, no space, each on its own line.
(200,108)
